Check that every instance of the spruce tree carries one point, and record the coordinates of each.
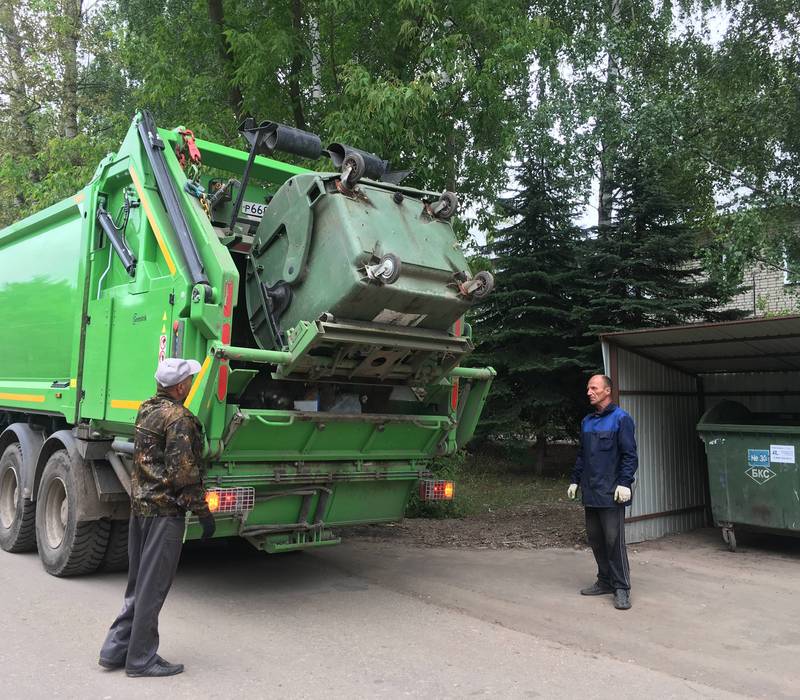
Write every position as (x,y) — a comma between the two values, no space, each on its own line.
(527,328)
(644,268)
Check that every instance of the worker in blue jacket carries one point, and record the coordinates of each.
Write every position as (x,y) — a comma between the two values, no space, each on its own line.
(604,470)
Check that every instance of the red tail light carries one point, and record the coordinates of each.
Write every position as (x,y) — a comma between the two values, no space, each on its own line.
(436,490)
(454,391)
(232,500)
(222,381)
(227,307)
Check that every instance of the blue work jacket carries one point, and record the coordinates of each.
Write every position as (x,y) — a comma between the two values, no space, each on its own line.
(606,457)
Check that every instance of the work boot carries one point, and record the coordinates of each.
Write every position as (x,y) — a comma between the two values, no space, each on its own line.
(114,665)
(622,599)
(597,588)
(158,668)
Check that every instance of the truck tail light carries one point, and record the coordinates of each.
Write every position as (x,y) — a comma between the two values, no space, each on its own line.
(239,499)
(454,391)
(222,381)
(436,490)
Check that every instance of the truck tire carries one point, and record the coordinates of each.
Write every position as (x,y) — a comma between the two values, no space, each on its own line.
(66,547)
(116,556)
(17,513)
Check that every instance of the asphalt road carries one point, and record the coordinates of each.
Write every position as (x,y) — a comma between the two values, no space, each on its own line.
(372,620)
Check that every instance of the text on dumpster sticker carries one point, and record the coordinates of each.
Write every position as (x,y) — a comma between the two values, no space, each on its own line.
(781,454)
(758,458)
(758,467)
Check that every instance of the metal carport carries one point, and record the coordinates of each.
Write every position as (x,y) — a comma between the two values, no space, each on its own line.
(666,378)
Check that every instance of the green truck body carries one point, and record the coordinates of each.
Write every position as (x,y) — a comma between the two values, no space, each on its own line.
(327,318)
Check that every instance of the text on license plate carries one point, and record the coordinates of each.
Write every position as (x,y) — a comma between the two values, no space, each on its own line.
(253,209)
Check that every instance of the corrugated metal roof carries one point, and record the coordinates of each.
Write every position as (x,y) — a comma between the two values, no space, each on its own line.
(751,345)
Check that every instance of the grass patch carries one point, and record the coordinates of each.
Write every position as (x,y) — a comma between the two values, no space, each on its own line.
(488,483)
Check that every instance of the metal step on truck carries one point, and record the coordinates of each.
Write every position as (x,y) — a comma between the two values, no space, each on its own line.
(326,310)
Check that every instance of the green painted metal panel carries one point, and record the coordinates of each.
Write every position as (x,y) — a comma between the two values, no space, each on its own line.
(40,291)
(373,501)
(350,503)
(281,435)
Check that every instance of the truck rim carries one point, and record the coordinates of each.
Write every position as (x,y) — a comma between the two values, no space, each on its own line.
(8,498)
(56,513)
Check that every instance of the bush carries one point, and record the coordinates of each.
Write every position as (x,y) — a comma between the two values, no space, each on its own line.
(496,478)
(451,468)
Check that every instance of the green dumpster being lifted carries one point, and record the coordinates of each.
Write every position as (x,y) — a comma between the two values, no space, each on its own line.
(752,468)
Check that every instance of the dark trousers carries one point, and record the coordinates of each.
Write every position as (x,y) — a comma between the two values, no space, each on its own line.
(154,548)
(606,530)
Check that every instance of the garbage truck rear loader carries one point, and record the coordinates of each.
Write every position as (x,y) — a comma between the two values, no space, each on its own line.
(326,310)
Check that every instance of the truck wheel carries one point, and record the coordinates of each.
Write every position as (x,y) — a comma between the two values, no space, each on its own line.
(17,513)
(116,556)
(66,547)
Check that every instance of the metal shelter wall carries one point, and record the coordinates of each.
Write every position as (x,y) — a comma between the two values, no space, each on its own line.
(761,392)
(666,378)
(665,404)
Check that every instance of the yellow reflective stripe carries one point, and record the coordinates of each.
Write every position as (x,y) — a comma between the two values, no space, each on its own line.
(130,405)
(152,219)
(34,398)
(197,380)
(73,383)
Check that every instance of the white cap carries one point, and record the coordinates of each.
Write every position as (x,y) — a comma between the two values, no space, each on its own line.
(174,370)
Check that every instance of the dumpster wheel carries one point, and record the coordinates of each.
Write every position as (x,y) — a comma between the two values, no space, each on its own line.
(729,537)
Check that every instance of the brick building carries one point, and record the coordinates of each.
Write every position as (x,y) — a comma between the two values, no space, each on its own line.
(769,290)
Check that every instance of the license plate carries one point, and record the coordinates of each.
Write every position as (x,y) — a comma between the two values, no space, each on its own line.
(254,210)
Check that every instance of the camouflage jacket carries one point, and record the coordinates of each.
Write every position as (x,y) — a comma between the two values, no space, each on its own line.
(167,459)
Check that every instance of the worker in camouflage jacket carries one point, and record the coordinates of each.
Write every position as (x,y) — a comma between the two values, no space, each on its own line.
(165,485)
(166,460)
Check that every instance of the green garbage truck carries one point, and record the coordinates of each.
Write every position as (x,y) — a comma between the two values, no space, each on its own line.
(326,309)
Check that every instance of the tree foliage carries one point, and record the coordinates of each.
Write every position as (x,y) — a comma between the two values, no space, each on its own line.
(439,87)
(644,151)
(529,328)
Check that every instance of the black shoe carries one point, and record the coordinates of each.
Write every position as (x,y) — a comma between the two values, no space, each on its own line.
(597,588)
(110,665)
(622,599)
(157,669)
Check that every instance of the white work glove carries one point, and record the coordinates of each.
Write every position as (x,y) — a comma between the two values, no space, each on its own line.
(571,491)
(622,494)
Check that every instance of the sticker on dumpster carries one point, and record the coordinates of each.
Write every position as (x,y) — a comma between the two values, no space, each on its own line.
(758,458)
(781,454)
(761,475)
(396,318)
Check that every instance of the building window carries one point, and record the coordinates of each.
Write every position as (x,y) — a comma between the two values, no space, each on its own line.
(791,267)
